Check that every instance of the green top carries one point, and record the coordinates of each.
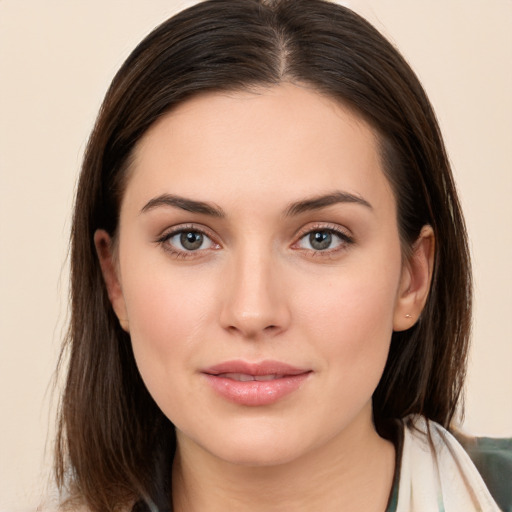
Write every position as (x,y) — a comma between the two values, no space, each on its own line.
(492,458)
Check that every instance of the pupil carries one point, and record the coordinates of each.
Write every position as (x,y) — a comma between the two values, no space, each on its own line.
(191,240)
(320,240)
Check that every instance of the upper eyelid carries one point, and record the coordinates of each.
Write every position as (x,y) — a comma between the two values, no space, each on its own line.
(323,226)
(180,228)
(169,232)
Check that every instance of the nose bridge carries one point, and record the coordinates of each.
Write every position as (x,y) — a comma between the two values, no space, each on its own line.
(254,302)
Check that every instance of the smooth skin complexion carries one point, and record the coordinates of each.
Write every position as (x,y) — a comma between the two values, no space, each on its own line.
(258,240)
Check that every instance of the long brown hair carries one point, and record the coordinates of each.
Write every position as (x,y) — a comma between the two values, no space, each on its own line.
(114,445)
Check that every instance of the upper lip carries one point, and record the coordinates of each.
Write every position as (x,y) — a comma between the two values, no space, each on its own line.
(256,369)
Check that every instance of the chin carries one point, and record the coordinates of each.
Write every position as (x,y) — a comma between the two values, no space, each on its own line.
(260,447)
(259,455)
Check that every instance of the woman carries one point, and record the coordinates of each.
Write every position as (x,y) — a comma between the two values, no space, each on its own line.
(271,289)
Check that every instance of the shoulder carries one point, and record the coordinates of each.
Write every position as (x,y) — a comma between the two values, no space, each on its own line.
(436,469)
(493,459)
(480,460)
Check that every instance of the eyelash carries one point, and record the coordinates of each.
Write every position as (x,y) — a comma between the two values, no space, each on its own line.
(344,239)
(184,254)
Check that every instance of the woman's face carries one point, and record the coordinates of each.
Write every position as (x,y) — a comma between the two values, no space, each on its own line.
(259,271)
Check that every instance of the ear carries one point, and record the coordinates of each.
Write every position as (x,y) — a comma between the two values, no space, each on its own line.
(415,281)
(108,264)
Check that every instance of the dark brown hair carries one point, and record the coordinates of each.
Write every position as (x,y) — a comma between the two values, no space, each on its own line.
(114,445)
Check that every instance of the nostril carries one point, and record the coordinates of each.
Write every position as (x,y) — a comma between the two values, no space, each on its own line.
(252,331)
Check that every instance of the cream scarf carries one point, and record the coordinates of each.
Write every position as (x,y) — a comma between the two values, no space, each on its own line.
(437,474)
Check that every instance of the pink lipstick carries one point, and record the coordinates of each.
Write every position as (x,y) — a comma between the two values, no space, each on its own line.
(255,384)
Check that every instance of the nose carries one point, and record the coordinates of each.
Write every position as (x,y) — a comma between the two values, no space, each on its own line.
(254,301)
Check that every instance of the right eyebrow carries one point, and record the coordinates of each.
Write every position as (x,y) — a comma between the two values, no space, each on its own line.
(183,203)
(318,202)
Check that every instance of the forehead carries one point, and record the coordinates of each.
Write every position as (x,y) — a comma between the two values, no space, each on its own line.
(273,143)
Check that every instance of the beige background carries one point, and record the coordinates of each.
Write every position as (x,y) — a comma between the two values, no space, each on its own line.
(56,60)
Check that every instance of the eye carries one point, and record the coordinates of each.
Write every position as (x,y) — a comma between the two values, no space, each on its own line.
(323,240)
(187,241)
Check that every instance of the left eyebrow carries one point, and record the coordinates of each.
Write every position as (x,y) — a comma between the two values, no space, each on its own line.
(315,203)
(183,203)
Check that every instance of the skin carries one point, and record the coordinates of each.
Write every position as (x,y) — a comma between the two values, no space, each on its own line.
(258,289)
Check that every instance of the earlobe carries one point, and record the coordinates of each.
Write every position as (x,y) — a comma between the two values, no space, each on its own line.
(105,252)
(415,281)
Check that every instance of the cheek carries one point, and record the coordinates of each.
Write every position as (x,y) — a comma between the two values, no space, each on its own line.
(351,320)
(354,306)
(164,303)
(352,327)
(166,313)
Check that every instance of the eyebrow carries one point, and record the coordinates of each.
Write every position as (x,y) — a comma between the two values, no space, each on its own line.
(318,202)
(296,208)
(183,203)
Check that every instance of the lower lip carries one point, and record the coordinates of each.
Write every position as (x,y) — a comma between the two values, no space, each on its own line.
(254,392)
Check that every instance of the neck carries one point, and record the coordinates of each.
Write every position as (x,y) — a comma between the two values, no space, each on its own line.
(353,471)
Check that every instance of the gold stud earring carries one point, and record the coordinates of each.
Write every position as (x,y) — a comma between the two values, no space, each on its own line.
(408,316)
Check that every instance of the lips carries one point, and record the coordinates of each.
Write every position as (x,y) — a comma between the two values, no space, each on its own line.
(243,377)
(255,384)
